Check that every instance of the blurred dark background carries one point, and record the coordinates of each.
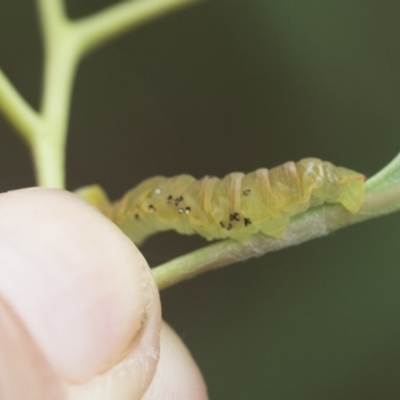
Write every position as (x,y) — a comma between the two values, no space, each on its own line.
(234,86)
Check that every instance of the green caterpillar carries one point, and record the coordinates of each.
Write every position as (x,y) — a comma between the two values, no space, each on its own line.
(236,206)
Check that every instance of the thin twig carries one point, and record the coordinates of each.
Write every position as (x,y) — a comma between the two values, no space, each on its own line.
(52,19)
(19,113)
(117,19)
(316,222)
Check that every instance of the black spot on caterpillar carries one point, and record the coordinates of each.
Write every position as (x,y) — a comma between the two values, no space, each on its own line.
(236,206)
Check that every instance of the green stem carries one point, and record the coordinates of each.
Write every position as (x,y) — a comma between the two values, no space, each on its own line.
(387,177)
(65,43)
(381,199)
(49,150)
(52,18)
(117,19)
(21,115)
(60,64)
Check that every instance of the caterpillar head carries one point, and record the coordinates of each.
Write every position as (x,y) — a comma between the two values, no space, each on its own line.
(352,189)
(342,185)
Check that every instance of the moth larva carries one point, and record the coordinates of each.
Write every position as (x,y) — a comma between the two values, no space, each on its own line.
(235,206)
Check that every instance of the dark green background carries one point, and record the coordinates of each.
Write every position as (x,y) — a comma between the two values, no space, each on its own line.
(237,85)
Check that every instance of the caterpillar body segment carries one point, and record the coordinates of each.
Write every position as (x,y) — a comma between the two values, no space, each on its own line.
(236,206)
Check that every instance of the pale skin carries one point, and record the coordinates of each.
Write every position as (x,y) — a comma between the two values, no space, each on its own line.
(79,311)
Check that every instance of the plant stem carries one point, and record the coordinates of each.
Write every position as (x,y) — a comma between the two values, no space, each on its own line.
(49,149)
(65,43)
(115,20)
(60,66)
(21,115)
(316,222)
(388,177)
(52,18)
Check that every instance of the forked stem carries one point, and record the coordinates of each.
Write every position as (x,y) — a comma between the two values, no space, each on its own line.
(66,42)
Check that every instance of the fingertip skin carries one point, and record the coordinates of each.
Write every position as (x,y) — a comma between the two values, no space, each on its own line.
(24,371)
(83,290)
(177,376)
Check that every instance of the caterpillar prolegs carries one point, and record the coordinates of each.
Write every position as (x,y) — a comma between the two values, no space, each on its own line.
(236,206)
